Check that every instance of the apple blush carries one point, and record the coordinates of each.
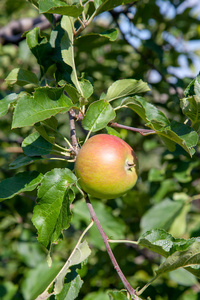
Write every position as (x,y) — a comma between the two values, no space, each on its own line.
(106,167)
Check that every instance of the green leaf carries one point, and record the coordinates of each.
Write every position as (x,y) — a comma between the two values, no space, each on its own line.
(179,226)
(67,49)
(5,103)
(86,88)
(20,183)
(191,108)
(157,240)
(170,133)
(22,161)
(193,87)
(60,7)
(156,175)
(161,215)
(42,131)
(181,259)
(38,279)
(41,48)
(113,226)
(148,112)
(182,277)
(8,290)
(36,145)
(106,5)
(98,115)
(71,288)
(96,40)
(125,87)
(112,131)
(117,295)
(21,77)
(52,213)
(73,93)
(163,243)
(80,254)
(46,102)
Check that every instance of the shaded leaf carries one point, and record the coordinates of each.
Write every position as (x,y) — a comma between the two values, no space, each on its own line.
(125,87)
(52,213)
(81,253)
(20,183)
(193,87)
(181,259)
(41,48)
(46,102)
(96,40)
(23,160)
(106,5)
(98,115)
(8,290)
(31,286)
(117,295)
(114,227)
(21,77)
(182,277)
(170,133)
(36,145)
(161,215)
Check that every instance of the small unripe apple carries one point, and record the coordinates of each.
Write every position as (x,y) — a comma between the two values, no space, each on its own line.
(106,166)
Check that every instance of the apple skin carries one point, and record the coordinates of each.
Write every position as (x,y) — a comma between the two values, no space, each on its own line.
(106,167)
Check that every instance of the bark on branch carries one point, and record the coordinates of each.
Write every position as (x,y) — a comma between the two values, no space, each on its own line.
(12,32)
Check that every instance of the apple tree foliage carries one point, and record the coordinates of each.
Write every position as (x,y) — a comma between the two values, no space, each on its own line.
(85,75)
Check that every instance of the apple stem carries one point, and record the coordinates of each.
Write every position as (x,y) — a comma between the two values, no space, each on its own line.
(125,282)
(140,130)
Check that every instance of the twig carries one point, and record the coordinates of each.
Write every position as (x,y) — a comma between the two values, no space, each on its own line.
(126,284)
(45,294)
(75,144)
(140,130)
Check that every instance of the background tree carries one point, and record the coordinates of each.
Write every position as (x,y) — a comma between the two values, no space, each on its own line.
(148,41)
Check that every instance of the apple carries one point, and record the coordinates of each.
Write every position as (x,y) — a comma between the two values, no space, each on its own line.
(106,167)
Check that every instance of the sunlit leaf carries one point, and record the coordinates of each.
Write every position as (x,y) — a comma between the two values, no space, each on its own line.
(52,213)
(5,103)
(125,87)
(21,77)
(98,115)
(60,7)
(46,102)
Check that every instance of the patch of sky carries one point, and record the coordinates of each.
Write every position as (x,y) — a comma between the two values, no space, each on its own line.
(166,9)
(195,4)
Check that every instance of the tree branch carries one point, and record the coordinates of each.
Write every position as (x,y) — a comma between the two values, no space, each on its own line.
(12,32)
(140,130)
(126,284)
(72,117)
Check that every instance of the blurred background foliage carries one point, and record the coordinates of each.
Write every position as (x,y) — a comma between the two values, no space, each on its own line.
(158,42)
